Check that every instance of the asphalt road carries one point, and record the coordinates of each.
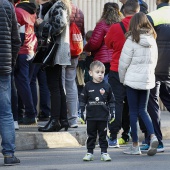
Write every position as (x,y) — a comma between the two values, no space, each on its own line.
(71,159)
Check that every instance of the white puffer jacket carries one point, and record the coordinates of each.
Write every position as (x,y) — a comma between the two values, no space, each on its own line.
(138,61)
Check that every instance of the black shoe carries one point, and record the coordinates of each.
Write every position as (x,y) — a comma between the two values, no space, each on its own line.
(52,126)
(9,161)
(64,124)
(29,121)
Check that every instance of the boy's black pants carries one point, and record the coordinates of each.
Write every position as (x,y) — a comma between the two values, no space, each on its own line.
(94,127)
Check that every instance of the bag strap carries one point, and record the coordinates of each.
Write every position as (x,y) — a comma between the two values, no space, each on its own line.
(123,27)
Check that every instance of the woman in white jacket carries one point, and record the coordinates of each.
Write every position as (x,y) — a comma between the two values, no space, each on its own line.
(136,70)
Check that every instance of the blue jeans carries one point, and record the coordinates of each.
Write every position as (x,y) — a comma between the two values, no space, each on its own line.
(43,88)
(138,102)
(23,74)
(6,119)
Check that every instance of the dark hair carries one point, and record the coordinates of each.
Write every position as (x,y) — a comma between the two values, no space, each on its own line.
(88,35)
(110,13)
(97,64)
(165,1)
(140,21)
(131,7)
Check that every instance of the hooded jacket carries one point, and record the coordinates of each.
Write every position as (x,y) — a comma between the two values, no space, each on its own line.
(26,15)
(9,37)
(138,61)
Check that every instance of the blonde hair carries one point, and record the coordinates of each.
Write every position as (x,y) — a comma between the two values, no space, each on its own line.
(97,64)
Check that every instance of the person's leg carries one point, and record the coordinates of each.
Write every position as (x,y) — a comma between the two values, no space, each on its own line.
(119,93)
(6,119)
(102,131)
(71,92)
(143,103)
(44,93)
(14,98)
(154,110)
(125,122)
(33,86)
(22,78)
(92,135)
(133,102)
(165,91)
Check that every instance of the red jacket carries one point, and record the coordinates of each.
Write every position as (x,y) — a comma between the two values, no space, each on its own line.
(115,40)
(26,15)
(96,43)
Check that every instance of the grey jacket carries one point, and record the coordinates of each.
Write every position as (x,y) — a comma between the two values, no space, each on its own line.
(9,37)
(60,32)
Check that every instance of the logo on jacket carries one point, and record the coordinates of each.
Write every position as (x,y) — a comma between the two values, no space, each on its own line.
(102,91)
(97,99)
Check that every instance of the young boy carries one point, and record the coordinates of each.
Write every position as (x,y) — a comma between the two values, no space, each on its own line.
(98,98)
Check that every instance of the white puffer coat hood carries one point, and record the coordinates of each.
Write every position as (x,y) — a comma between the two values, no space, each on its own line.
(138,61)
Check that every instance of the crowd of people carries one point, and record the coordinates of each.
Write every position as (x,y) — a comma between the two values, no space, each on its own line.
(126,56)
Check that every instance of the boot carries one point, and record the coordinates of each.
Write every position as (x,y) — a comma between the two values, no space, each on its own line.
(64,124)
(52,126)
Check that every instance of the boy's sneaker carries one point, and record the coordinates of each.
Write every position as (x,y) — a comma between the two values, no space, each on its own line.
(121,141)
(105,157)
(16,125)
(133,150)
(11,160)
(88,157)
(113,143)
(153,146)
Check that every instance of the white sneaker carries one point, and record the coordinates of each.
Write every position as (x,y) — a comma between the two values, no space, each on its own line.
(133,150)
(16,125)
(74,125)
(88,157)
(105,157)
(153,146)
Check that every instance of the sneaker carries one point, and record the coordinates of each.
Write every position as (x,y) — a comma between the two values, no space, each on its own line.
(133,150)
(16,125)
(29,121)
(153,146)
(113,143)
(105,157)
(160,148)
(121,141)
(11,160)
(144,148)
(88,157)
(74,125)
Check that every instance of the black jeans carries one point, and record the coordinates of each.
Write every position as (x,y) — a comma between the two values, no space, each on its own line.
(93,127)
(119,92)
(58,98)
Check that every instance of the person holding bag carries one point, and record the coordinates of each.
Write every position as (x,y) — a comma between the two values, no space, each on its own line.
(57,18)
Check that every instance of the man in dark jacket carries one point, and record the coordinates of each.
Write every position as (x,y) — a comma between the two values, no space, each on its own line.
(161,21)
(69,72)
(9,46)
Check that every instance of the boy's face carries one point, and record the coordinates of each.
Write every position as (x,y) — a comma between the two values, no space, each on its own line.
(97,73)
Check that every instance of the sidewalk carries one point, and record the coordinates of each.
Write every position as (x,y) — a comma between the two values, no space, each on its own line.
(28,137)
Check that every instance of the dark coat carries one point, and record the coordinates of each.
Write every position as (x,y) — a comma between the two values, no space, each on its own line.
(9,37)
